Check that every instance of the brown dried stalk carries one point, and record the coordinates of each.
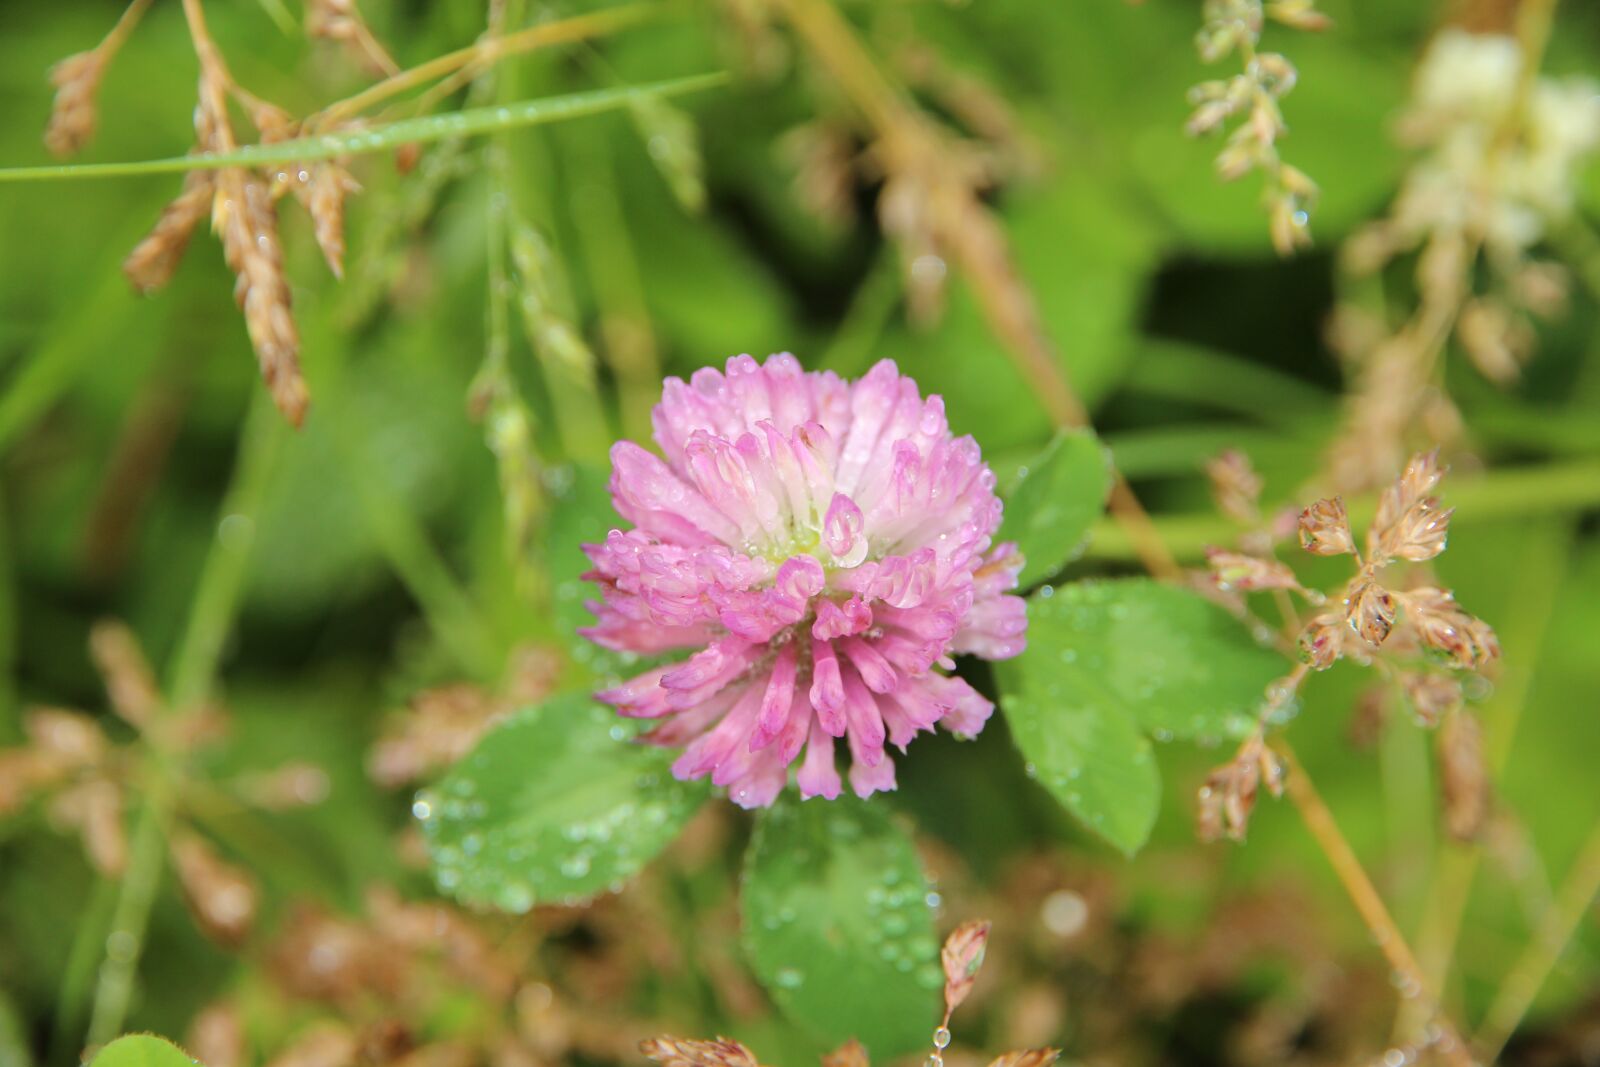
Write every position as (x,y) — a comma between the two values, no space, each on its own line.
(933,209)
(1347,866)
(341,21)
(321,193)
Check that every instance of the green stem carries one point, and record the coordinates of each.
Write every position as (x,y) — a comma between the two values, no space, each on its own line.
(88,942)
(384,137)
(1555,488)
(125,943)
(613,269)
(870,312)
(222,579)
(450,612)
(194,666)
(1450,888)
(1527,976)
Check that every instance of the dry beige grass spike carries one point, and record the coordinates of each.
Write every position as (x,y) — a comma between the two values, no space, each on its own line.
(246,221)
(153,260)
(323,197)
(75,112)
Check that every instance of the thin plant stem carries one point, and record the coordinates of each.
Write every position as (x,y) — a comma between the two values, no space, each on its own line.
(1451,886)
(129,921)
(870,311)
(222,580)
(907,137)
(489,50)
(77,979)
(1363,894)
(125,23)
(1527,976)
(627,338)
(381,138)
(194,666)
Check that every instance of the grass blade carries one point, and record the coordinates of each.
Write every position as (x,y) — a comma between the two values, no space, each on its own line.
(384,137)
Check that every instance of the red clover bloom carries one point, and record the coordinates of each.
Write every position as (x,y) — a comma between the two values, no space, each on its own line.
(825,546)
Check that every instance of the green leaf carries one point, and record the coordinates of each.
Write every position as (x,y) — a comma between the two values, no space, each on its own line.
(1059,496)
(1096,764)
(837,925)
(552,806)
(383,137)
(142,1050)
(1107,663)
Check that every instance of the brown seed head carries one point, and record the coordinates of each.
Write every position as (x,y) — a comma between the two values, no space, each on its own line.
(244,215)
(1371,612)
(69,739)
(850,1054)
(1235,485)
(1325,529)
(1299,14)
(962,957)
(1419,535)
(1468,642)
(1542,288)
(1463,776)
(1415,485)
(216,1037)
(1234,570)
(129,681)
(94,810)
(222,897)
(1033,1057)
(1491,336)
(74,114)
(1228,796)
(680,1052)
(1322,640)
(153,260)
(1431,695)
(326,1044)
(1368,717)
(293,785)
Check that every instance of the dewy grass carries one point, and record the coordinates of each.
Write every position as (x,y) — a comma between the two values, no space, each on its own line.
(384,137)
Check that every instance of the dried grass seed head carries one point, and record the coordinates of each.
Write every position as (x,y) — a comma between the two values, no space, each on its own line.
(1325,529)
(153,260)
(74,113)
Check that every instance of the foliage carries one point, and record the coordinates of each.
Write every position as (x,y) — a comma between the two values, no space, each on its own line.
(339,791)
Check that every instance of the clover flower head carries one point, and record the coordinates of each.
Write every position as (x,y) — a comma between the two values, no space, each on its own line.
(825,548)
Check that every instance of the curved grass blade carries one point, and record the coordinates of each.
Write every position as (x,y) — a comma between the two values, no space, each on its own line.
(387,136)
